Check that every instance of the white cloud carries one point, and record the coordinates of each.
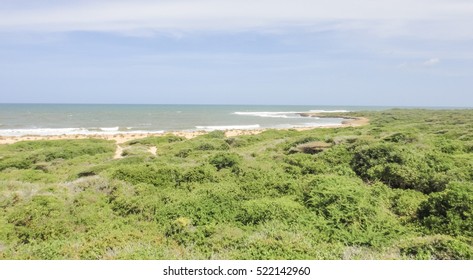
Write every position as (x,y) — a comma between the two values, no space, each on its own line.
(452,18)
(431,62)
(419,65)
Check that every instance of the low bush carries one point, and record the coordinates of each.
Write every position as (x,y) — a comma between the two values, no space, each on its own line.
(353,214)
(449,212)
(439,247)
(258,211)
(406,202)
(402,167)
(43,218)
(225,160)
(162,176)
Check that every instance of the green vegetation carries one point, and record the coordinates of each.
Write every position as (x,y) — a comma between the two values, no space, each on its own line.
(398,188)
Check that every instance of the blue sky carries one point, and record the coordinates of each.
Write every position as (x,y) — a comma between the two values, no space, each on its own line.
(317,52)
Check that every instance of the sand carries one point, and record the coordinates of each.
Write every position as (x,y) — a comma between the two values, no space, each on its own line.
(118,152)
(122,138)
(153,150)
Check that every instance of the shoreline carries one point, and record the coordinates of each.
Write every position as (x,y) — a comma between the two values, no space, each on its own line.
(121,138)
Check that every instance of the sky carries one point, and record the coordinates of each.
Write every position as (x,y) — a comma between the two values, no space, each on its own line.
(297,52)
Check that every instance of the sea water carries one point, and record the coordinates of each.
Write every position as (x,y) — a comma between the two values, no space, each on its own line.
(60,119)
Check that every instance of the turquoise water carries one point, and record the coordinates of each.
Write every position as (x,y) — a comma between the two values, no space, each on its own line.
(58,119)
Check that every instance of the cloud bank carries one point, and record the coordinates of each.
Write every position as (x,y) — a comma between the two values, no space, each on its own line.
(452,18)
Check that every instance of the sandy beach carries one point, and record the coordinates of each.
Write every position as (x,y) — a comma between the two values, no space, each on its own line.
(122,138)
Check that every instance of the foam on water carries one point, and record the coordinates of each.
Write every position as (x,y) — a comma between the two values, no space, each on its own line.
(70,131)
(283,115)
(116,128)
(227,127)
(329,111)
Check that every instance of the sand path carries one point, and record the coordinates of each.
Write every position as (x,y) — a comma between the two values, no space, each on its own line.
(153,150)
(118,152)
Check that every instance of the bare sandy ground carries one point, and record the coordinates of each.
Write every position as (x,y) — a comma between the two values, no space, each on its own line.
(122,138)
(118,152)
(153,150)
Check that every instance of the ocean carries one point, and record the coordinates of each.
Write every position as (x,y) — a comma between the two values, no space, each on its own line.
(68,119)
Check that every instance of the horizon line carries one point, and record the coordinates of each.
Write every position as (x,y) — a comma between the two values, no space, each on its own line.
(239,104)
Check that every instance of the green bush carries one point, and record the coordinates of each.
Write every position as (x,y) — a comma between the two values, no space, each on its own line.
(23,155)
(18,162)
(406,202)
(437,247)
(183,153)
(210,144)
(340,199)
(354,215)
(302,140)
(258,211)
(237,142)
(260,182)
(401,167)
(400,137)
(200,174)
(449,212)
(305,163)
(43,218)
(163,176)
(225,160)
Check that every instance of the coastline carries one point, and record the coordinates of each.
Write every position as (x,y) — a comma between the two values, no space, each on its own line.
(121,138)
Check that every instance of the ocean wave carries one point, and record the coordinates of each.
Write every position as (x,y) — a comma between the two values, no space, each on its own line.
(116,128)
(304,125)
(329,111)
(227,127)
(283,115)
(319,124)
(71,131)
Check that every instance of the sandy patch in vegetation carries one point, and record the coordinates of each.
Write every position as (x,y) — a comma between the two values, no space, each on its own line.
(153,150)
(118,152)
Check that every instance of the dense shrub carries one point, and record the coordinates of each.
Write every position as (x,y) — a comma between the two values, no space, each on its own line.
(400,137)
(303,140)
(225,160)
(406,202)
(449,212)
(211,144)
(343,200)
(18,162)
(261,210)
(23,155)
(217,134)
(183,153)
(401,167)
(150,174)
(237,142)
(42,218)
(258,182)
(354,215)
(437,247)
(200,174)
(214,203)
(305,163)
